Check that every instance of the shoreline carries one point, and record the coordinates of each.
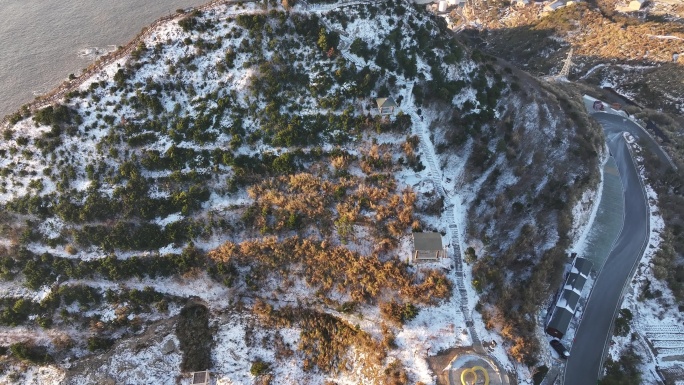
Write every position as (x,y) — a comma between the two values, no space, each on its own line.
(70,85)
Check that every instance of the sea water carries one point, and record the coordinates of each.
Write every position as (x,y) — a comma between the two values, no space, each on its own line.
(43,41)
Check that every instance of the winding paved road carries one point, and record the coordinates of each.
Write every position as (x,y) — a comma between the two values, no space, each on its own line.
(594,330)
(615,123)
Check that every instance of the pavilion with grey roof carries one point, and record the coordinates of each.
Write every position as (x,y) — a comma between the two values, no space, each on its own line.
(427,246)
(386,106)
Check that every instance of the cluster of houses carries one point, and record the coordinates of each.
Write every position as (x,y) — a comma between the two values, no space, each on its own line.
(550,6)
(567,303)
(441,6)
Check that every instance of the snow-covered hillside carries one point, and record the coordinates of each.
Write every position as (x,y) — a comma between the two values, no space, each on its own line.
(229,198)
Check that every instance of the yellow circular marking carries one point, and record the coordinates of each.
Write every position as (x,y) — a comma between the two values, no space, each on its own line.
(473,379)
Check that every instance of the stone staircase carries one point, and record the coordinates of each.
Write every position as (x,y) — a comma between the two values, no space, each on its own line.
(435,175)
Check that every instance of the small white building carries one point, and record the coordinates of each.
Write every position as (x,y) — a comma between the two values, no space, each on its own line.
(636,5)
(442,6)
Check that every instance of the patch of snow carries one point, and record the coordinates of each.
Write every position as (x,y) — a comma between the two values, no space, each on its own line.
(32,375)
(169,219)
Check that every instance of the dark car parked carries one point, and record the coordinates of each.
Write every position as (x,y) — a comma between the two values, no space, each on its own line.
(558,347)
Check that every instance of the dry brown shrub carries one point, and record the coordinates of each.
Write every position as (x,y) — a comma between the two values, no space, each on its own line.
(264,379)
(340,162)
(309,200)
(388,337)
(224,253)
(262,309)
(395,374)
(327,268)
(122,313)
(348,210)
(70,249)
(96,326)
(62,342)
(193,273)
(408,149)
(435,287)
(328,343)
(378,158)
(617,37)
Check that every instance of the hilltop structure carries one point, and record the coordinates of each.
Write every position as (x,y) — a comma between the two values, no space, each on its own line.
(427,247)
(386,106)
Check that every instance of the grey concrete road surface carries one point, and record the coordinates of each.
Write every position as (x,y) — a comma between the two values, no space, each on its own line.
(588,349)
(616,123)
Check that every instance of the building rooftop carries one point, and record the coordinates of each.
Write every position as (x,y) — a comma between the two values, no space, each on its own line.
(386,102)
(560,320)
(569,299)
(200,378)
(575,281)
(583,266)
(428,241)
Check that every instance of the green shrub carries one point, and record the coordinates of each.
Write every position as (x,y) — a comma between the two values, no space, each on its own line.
(622,323)
(195,337)
(16,311)
(44,322)
(50,115)
(259,367)
(470,256)
(99,343)
(360,48)
(625,371)
(30,353)
(84,295)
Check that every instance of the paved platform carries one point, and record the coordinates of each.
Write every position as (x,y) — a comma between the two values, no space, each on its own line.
(473,369)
